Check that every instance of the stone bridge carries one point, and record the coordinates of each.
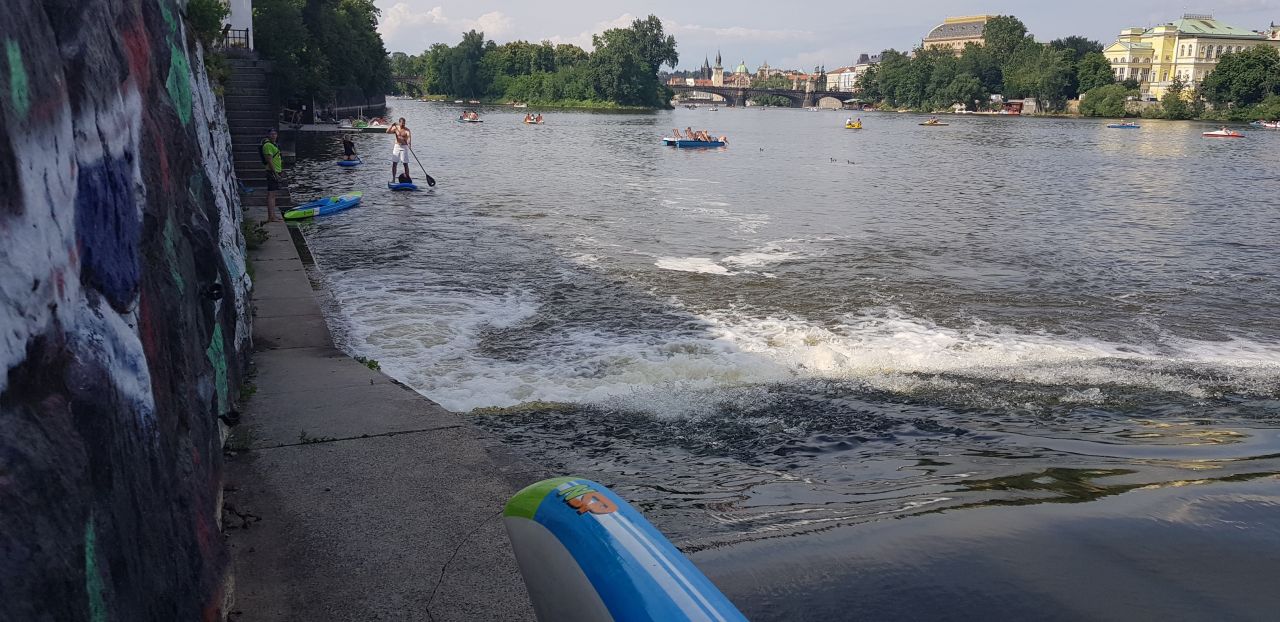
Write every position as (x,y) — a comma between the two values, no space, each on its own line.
(738,96)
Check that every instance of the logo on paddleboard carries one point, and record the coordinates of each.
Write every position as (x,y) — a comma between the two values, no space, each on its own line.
(584,498)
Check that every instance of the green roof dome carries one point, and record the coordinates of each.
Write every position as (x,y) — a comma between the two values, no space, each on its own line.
(742,68)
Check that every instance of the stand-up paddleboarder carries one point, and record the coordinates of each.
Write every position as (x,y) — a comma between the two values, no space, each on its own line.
(400,152)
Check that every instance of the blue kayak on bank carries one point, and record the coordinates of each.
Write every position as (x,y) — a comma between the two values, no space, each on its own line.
(327,205)
(692,144)
(402,185)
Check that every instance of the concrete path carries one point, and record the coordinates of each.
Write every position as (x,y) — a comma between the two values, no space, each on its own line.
(350,497)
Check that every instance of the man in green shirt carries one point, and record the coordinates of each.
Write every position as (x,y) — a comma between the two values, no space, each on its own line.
(275,166)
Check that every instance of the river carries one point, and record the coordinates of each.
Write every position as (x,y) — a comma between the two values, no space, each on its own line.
(1005,368)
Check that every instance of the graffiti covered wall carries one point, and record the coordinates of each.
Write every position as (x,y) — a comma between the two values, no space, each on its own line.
(123,313)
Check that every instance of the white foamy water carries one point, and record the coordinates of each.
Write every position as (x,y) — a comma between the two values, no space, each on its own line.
(701,265)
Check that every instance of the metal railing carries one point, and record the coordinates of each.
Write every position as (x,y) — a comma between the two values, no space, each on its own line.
(234,38)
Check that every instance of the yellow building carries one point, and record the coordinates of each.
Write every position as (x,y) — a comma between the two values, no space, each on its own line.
(1188,48)
(954,32)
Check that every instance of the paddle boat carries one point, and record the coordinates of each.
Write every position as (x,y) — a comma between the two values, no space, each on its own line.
(1222,133)
(469,116)
(586,554)
(857,125)
(692,144)
(533,122)
(1270,125)
(519,105)
(1124,126)
(326,205)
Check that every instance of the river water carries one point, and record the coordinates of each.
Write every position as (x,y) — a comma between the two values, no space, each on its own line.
(1049,349)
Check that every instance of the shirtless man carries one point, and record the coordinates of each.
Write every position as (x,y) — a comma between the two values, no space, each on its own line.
(400,153)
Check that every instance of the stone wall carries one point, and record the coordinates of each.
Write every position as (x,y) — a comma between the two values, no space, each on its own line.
(124,323)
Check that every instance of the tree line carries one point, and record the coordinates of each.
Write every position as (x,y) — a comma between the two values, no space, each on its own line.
(1243,86)
(1009,62)
(622,69)
(320,47)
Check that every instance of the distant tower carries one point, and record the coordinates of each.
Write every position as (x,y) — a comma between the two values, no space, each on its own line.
(717,72)
(705,72)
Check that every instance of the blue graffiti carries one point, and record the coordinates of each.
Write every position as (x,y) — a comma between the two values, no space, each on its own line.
(108,228)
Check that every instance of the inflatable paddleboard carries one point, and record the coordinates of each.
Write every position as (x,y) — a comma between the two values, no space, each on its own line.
(402,186)
(349,162)
(327,205)
(587,555)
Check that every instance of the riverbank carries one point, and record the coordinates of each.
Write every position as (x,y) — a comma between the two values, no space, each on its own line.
(348,495)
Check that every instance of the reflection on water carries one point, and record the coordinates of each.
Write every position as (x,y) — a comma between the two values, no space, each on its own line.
(1021,336)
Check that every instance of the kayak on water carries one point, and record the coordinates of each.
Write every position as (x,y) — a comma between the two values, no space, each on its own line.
(349,162)
(935,124)
(408,185)
(326,205)
(1123,126)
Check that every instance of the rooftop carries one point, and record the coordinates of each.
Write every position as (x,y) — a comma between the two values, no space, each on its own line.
(1207,26)
(969,27)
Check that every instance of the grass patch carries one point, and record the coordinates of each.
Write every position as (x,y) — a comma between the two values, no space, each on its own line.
(523,407)
(254,233)
(370,363)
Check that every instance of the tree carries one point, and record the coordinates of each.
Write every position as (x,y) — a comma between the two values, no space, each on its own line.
(868,86)
(1040,72)
(966,89)
(1107,100)
(1173,103)
(1244,78)
(1131,83)
(1092,71)
(1079,47)
(1005,35)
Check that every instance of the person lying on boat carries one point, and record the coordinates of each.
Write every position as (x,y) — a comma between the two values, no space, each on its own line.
(348,148)
(688,131)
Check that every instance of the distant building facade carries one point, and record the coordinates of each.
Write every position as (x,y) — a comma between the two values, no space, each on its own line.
(1186,49)
(954,32)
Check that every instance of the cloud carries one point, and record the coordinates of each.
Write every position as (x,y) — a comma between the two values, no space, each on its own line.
(402,20)
(738,32)
(583,39)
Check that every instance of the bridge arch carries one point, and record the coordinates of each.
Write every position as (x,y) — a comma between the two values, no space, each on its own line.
(829,101)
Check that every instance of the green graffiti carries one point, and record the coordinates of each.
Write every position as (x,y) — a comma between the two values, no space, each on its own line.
(168,17)
(171,254)
(179,83)
(19,93)
(217,356)
(93,585)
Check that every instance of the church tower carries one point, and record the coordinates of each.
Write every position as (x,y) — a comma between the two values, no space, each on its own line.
(705,72)
(717,73)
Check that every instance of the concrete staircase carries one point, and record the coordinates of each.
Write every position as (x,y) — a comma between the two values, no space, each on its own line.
(250,112)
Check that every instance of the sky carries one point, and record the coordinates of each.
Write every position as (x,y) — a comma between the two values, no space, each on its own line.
(787,35)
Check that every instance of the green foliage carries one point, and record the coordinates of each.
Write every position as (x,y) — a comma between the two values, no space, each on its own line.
(254,233)
(1107,100)
(1131,83)
(370,363)
(772,82)
(1173,103)
(318,47)
(1244,78)
(623,70)
(1008,62)
(1093,70)
(1080,47)
(206,17)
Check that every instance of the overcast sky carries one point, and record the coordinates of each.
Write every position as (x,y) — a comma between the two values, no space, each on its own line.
(787,34)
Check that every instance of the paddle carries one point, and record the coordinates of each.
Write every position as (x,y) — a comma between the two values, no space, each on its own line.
(430,181)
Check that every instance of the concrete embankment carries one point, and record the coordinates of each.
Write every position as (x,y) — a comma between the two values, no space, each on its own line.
(351,497)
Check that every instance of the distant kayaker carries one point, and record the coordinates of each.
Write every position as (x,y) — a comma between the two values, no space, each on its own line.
(404,142)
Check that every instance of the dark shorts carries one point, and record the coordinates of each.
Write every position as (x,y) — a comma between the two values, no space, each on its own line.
(273,182)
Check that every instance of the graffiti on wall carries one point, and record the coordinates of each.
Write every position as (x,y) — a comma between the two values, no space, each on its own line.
(123,313)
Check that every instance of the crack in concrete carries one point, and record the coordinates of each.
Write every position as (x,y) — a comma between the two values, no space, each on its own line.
(325,439)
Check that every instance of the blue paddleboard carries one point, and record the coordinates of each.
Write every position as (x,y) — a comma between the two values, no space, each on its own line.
(402,186)
(349,162)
